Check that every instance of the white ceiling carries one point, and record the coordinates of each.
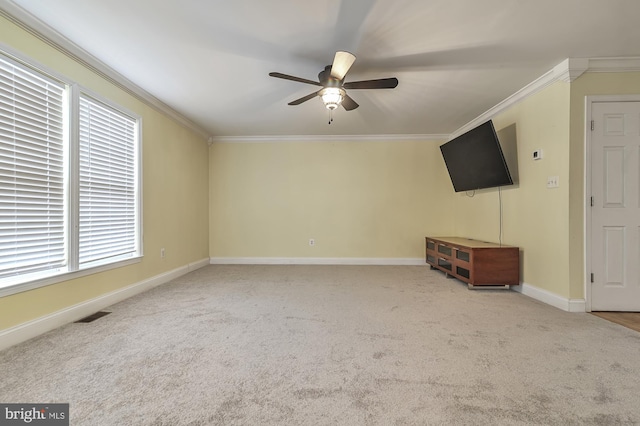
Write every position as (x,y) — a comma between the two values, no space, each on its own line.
(455,59)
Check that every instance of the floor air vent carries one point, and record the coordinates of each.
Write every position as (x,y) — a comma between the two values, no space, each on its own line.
(93,317)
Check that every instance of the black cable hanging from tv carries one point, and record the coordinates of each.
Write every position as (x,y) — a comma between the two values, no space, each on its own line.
(500,206)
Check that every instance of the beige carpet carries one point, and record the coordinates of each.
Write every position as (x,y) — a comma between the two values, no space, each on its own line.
(328,345)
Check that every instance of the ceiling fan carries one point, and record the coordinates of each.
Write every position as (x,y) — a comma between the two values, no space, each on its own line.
(334,88)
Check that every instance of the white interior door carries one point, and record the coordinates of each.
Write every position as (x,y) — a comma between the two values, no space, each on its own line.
(615,214)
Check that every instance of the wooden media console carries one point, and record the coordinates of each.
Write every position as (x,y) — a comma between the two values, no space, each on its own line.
(477,263)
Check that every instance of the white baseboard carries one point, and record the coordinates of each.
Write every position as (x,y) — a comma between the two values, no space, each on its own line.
(28,330)
(315,261)
(568,305)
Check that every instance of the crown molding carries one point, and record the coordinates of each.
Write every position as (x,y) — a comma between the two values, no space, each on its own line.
(326,138)
(619,64)
(537,85)
(53,38)
(568,71)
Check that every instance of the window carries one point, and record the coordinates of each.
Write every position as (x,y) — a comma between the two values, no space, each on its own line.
(32,183)
(107,183)
(69,200)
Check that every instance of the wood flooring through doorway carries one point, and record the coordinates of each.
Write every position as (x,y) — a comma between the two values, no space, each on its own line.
(627,319)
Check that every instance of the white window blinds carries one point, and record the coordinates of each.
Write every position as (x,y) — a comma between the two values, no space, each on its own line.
(32,171)
(108,210)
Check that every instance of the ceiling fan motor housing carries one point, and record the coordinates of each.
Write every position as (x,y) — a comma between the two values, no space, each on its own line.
(327,80)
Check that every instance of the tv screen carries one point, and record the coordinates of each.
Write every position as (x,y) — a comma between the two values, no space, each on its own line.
(475,160)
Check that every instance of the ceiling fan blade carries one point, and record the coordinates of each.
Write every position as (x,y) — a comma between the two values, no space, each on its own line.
(383,83)
(303,99)
(349,103)
(292,78)
(341,64)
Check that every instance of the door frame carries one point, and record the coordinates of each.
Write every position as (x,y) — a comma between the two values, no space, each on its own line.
(589,101)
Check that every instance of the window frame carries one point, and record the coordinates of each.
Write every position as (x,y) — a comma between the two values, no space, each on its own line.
(75,221)
(72,186)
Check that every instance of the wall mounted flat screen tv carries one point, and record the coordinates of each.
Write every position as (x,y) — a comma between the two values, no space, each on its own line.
(475,160)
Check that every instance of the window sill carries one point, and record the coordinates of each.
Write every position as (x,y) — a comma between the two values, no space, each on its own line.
(65,276)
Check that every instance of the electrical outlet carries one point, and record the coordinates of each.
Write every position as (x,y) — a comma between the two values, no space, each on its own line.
(553,181)
(162,253)
(312,242)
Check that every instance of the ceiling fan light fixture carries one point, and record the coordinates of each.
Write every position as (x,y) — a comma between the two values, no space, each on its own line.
(332,97)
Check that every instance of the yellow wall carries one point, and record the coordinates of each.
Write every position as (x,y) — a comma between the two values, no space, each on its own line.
(357,199)
(175,193)
(535,218)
